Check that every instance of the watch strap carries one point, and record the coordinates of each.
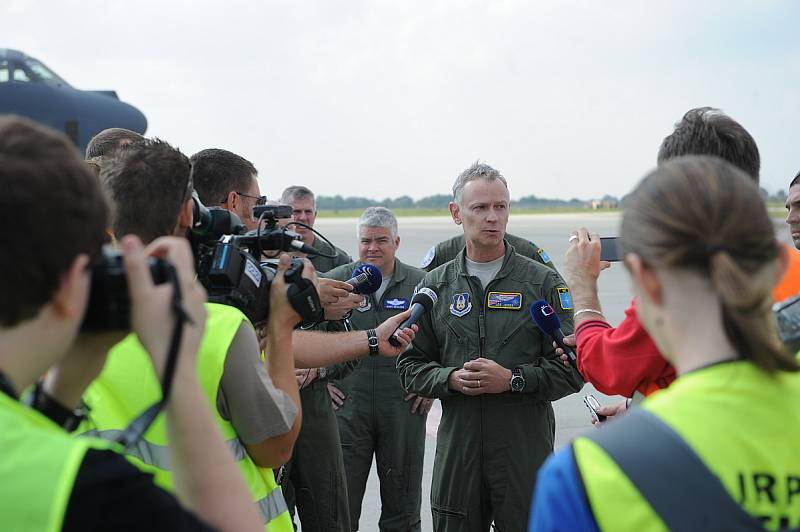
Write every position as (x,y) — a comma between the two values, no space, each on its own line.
(372,341)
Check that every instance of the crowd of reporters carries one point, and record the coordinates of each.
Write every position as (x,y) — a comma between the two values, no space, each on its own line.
(236,405)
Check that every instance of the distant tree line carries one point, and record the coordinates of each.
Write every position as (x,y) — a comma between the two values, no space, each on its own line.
(437,201)
(440,201)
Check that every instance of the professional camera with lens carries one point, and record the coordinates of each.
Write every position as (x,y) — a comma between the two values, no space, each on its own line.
(229,264)
(109,307)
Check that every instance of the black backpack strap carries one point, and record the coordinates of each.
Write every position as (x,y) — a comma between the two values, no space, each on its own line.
(670,476)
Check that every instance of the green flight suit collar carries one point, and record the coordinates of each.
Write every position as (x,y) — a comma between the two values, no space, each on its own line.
(461,262)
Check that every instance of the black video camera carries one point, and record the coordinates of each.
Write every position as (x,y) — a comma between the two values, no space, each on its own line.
(229,263)
(109,307)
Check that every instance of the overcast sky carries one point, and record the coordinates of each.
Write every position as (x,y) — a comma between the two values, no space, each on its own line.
(378,98)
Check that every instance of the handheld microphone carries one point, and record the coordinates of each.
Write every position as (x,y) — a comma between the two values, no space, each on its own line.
(422,302)
(366,279)
(304,248)
(547,320)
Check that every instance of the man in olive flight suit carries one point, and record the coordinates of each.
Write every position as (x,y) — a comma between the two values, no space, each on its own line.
(447,251)
(378,417)
(314,479)
(493,369)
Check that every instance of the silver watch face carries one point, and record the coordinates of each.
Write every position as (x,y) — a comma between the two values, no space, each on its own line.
(517,383)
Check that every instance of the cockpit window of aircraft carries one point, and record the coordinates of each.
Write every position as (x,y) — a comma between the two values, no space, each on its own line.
(28,70)
(38,72)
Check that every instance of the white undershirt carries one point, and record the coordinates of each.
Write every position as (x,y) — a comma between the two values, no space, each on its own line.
(485,271)
(384,284)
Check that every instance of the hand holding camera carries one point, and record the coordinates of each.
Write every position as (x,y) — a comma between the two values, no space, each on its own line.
(152,314)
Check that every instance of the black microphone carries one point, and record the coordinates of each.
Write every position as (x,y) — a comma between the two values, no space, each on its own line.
(366,279)
(546,318)
(422,302)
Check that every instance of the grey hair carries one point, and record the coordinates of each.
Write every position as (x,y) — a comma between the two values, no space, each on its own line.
(478,170)
(298,192)
(377,217)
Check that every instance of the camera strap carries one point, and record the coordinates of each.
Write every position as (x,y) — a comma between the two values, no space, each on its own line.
(136,429)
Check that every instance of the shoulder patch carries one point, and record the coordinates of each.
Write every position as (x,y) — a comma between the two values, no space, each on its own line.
(543,255)
(365,305)
(564,298)
(426,261)
(460,305)
(504,300)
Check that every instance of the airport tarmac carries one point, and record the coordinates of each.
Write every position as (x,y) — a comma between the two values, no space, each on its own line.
(549,231)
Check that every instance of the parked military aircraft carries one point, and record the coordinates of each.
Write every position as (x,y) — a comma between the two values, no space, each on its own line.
(29,88)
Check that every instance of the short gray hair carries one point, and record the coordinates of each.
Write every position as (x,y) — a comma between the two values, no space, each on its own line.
(377,217)
(298,192)
(478,170)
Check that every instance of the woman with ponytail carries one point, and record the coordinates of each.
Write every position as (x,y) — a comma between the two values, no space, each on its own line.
(720,448)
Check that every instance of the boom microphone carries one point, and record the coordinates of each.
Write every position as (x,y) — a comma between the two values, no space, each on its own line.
(422,302)
(547,320)
(366,279)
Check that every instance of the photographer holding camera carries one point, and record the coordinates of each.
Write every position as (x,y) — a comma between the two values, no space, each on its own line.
(258,420)
(49,481)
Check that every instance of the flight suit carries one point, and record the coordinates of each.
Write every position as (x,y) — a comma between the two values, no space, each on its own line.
(447,251)
(376,420)
(314,478)
(489,446)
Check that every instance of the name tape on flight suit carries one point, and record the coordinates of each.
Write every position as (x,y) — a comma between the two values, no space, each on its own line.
(504,300)
(395,304)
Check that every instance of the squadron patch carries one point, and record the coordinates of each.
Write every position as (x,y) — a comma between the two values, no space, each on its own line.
(365,305)
(428,257)
(564,298)
(504,300)
(395,304)
(543,255)
(460,304)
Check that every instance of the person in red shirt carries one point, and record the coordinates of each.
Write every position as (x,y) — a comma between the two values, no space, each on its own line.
(623,360)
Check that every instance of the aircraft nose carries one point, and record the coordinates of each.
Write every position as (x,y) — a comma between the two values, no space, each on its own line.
(131,118)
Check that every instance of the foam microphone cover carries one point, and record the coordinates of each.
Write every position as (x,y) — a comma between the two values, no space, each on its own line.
(545,317)
(373,281)
(425,297)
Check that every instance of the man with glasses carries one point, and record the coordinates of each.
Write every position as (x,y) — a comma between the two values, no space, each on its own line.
(226,180)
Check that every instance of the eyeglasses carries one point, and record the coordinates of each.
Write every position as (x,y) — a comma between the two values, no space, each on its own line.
(260,200)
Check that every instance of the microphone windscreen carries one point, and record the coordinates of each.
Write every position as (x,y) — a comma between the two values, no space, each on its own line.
(545,317)
(373,281)
(425,297)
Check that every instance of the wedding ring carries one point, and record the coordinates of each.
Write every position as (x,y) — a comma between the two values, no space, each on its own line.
(573,238)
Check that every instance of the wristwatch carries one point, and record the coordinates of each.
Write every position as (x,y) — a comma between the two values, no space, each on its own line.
(517,380)
(322,373)
(372,341)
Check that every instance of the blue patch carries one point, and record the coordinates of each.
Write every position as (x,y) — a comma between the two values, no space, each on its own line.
(428,257)
(395,304)
(504,300)
(460,304)
(564,298)
(543,255)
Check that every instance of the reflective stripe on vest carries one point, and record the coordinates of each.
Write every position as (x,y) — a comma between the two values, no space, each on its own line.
(158,455)
(127,385)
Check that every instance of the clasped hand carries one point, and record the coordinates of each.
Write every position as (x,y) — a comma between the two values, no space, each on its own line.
(480,376)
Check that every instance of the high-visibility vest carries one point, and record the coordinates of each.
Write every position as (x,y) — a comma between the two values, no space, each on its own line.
(128,385)
(38,469)
(742,423)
